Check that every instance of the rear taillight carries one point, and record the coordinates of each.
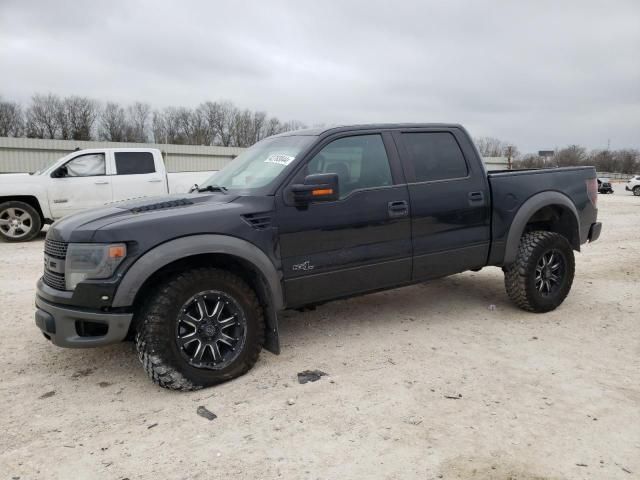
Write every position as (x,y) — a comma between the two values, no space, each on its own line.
(592,190)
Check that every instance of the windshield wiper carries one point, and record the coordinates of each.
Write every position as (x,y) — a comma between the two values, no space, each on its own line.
(213,188)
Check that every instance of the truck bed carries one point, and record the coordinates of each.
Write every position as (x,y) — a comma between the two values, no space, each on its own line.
(510,189)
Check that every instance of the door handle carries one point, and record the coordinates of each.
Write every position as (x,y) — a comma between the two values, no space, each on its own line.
(155,180)
(101,182)
(476,198)
(399,208)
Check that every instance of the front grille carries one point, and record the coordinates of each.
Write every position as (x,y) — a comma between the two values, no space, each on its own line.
(58,250)
(55,248)
(54,280)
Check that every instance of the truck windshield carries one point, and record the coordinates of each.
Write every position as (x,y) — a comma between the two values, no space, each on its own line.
(260,164)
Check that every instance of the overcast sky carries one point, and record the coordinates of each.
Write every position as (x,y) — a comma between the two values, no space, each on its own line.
(540,75)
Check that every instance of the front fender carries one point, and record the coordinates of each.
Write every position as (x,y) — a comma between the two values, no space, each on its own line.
(180,248)
(16,188)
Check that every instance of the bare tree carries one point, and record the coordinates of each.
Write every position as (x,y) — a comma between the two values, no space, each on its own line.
(192,125)
(113,123)
(138,122)
(220,118)
(529,161)
(628,161)
(243,133)
(81,114)
(271,127)
(167,128)
(292,125)
(41,116)
(493,147)
(11,119)
(571,155)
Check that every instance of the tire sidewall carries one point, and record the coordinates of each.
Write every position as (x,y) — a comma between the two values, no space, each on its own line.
(547,303)
(36,221)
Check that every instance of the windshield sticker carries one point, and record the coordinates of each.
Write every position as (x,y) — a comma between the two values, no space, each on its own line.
(280,159)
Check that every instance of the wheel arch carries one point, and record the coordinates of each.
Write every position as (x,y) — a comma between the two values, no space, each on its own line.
(231,253)
(549,211)
(30,200)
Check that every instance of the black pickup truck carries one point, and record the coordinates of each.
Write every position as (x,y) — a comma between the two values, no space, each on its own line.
(297,220)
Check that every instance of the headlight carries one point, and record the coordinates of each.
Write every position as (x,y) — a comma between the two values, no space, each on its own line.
(92,261)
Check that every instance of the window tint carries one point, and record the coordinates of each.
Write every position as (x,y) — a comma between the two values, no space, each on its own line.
(435,156)
(132,163)
(88,165)
(360,162)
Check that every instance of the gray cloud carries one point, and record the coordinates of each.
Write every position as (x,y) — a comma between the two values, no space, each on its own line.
(539,74)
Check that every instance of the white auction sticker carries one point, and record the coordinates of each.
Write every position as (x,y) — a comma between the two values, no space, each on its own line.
(280,159)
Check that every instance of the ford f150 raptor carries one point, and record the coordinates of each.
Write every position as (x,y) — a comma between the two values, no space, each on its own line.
(299,219)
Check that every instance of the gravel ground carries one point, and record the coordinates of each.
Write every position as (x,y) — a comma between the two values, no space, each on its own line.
(440,380)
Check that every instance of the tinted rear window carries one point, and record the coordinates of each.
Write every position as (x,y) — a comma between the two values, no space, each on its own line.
(435,156)
(134,163)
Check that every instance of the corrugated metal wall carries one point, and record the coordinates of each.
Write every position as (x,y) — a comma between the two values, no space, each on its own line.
(31,154)
(496,163)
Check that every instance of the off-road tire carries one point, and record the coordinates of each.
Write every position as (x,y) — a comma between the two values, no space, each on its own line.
(156,325)
(519,277)
(35,221)
(636,191)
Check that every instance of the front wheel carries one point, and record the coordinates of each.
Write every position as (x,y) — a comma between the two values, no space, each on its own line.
(202,327)
(19,221)
(636,191)
(541,277)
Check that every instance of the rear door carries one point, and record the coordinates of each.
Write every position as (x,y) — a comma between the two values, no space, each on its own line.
(359,243)
(137,175)
(450,207)
(86,184)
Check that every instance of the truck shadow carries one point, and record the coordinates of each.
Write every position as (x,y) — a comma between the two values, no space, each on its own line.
(461,295)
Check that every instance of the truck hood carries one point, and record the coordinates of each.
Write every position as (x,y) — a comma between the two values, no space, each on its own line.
(11,178)
(121,221)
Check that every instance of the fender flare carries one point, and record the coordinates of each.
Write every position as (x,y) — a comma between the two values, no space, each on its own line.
(174,250)
(524,214)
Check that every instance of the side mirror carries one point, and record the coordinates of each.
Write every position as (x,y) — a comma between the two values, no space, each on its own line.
(60,172)
(319,187)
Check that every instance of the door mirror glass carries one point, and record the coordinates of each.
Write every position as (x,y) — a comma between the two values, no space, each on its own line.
(318,187)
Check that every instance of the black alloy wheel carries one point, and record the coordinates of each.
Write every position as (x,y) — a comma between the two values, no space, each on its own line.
(211,330)
(550,272)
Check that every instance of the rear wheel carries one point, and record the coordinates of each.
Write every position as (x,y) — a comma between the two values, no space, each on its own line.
(19,221)
(541,277)
(200,328)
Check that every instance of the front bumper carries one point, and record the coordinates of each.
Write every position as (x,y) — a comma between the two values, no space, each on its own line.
(63,325)
(594,231)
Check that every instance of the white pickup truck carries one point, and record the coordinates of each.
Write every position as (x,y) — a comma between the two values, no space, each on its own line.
(81,180)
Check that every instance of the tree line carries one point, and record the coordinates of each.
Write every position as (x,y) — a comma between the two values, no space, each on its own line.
(625,161)
(82,118)
(222,123)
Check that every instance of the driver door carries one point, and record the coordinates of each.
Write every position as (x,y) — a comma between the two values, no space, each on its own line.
(84,184)
(358,243)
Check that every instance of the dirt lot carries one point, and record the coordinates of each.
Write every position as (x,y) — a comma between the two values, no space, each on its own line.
(424,382)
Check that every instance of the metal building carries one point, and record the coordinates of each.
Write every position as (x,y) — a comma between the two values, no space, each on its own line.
(31,154)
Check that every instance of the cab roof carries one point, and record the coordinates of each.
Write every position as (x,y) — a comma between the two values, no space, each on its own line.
(321,131)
